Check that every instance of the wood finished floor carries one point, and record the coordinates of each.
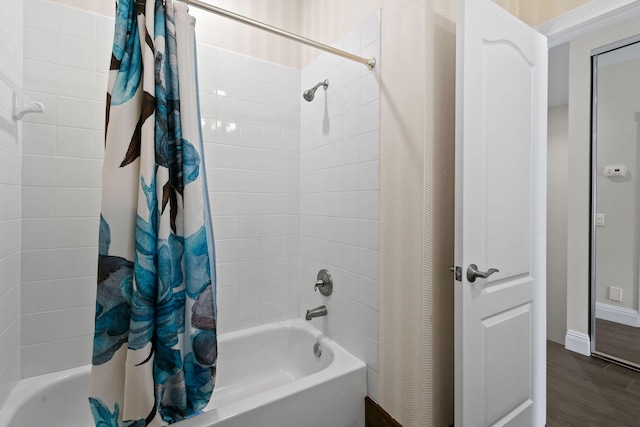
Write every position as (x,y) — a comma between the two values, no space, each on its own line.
(589,392)
(618,340)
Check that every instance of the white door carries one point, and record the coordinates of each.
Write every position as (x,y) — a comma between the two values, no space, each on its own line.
(501,131)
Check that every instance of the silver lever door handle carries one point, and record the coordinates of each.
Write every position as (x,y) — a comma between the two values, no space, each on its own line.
(473,273)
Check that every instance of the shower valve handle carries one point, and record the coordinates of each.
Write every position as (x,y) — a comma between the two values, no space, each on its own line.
(324,282)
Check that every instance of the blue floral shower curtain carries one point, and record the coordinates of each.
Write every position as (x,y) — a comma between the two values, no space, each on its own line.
(155,343)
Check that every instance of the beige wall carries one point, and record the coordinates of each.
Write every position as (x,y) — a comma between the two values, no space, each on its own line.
(230,35)
(534,12)
(557,177)
(416,217)
(326,21)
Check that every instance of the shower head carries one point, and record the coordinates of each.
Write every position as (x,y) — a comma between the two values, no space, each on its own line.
(310,93)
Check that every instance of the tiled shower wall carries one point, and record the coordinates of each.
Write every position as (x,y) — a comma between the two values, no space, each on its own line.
(285,203)
(250,116)
(66,55)
(10,151)
(339,194)
(251,125)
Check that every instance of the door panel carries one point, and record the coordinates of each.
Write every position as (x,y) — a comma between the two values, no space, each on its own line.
(507,75)
(508,361)
(500,218)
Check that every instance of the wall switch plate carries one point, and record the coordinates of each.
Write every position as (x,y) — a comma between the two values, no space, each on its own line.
(615,294)
(599,220)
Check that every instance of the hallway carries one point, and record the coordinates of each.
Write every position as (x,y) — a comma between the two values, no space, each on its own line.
(589,392)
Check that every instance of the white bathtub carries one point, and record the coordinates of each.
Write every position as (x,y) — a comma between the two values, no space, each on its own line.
(268,376)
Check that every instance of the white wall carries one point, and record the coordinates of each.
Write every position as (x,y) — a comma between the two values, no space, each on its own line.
(10,164)
(578,215)
(340,195)
(557,177)
(66,57)
(251,121)
(251,126)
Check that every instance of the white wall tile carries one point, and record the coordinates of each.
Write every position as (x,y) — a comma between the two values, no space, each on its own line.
(11,54)
(74,52)
(37,296)
(77,23)
(103,61)
(227,321)
(370,30)
(74,112)
(10,308)
(76,232)
(207,56)
(38,233)
(40,76)
(38,328)
(40,45)
(227,62)
(9,272)
(74,172)
(37,360)
(251,68)
(74,322)
(10,375)
(249,317)
(75,142)
(76,262)
(38,202)
(370,117)
(38,139)
(339,186)
(76,82)
(41,14)
(38,171)
(72,352)
(207,81)
(229,85)
(76,202)
(104,29)
(38,265)
(11,206)
(272,73)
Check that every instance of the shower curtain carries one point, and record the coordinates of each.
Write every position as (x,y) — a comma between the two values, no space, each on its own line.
(155,343)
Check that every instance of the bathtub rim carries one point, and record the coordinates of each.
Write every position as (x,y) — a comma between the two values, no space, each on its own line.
(343,363)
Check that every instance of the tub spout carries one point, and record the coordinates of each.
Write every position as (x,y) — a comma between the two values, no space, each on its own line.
(316,312)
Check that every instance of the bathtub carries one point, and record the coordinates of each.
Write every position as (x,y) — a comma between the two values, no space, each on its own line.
(268,376)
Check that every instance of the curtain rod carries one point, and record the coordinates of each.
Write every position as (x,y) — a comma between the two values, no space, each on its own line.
(370,63)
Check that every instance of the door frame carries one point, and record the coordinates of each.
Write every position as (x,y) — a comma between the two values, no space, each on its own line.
(590,17)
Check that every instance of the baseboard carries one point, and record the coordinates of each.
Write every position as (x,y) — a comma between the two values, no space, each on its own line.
(624,316)
(578,342)
(375,416)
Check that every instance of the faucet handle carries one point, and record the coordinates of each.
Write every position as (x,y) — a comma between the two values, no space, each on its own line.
(324,282)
